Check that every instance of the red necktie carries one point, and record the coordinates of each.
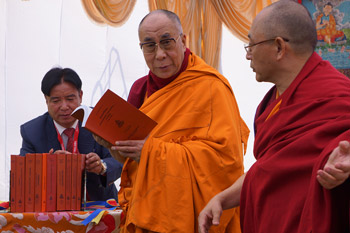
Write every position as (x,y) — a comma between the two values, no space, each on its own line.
(69,132)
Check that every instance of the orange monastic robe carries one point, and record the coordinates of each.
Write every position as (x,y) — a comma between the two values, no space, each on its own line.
(195,151)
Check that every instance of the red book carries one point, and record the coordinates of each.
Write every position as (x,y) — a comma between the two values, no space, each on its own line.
(80,177)
(29,183)
(68,181)
(19,179)
(44,183)
(38,182)
(114,119)
(12,183)
(61,181)
(51,190)
(74,181)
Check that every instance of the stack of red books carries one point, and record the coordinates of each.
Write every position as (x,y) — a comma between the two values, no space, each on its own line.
(45,182)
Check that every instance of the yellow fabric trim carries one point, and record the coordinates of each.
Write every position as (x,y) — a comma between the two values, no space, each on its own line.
(274,110)
(98,218)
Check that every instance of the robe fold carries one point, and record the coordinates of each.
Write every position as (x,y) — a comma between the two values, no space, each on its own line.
(280,192)
(194,152)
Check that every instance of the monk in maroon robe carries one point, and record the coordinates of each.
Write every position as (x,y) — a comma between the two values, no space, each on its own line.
(300,181)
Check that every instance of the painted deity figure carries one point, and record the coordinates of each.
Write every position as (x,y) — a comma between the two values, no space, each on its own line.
(326,26)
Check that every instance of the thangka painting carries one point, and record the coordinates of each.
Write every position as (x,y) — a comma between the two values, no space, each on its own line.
(332,19)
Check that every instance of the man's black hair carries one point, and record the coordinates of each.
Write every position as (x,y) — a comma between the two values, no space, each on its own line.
(58,75)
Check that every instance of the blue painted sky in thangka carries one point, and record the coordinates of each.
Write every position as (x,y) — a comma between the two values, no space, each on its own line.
(336,51)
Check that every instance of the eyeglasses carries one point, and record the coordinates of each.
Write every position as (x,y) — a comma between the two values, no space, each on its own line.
(165,44)
(248,47)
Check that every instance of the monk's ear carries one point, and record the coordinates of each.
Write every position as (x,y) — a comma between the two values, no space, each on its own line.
(281,47)
(183,40)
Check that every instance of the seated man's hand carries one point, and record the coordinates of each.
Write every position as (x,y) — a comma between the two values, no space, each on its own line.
(93,163)
(59,152)
(337,168)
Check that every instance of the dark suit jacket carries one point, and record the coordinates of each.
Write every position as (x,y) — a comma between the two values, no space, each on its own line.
(39,136)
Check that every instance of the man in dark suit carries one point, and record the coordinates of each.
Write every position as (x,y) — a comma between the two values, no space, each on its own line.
(48,133)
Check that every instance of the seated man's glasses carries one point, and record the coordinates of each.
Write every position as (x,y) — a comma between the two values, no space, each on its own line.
(165,44)
(248,47)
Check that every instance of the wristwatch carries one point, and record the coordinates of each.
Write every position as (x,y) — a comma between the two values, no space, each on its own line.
(104,167)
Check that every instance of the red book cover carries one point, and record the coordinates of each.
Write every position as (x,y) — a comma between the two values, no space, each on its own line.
(38,182)
(44,183)
(68,181)
(61,181)
(29,183)
(74,181)
(20,188)
(51,189)
(114,119)
(80,186)
(12,183)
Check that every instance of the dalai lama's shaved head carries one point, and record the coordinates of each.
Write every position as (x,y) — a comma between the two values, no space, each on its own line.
(171,15)
(162,43)
(291,20)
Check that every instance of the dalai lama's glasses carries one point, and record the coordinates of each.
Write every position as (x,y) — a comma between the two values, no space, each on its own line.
(165,44)
(248,47)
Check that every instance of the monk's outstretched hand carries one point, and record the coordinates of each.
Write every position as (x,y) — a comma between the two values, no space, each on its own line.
(337,168)
(210,215)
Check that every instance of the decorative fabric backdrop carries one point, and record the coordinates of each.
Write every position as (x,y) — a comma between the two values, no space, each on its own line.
(201,19)
(111,12)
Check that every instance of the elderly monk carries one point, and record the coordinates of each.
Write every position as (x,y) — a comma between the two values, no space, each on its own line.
(300,181)
(196,149)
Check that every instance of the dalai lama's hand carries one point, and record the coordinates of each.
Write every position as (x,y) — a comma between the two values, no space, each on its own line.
(101,141)
(115,154)
(337,168)
(129,149)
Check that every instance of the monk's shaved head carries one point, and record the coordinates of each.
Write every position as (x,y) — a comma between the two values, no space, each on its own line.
(290,20)
(171,15)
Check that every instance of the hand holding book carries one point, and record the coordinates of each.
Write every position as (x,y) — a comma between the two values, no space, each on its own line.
(129,149)
(101,141)
(113,119)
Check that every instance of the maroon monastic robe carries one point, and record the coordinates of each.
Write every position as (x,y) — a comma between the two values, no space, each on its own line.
(280,192)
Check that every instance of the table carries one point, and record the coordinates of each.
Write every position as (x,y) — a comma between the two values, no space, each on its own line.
(65,221)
